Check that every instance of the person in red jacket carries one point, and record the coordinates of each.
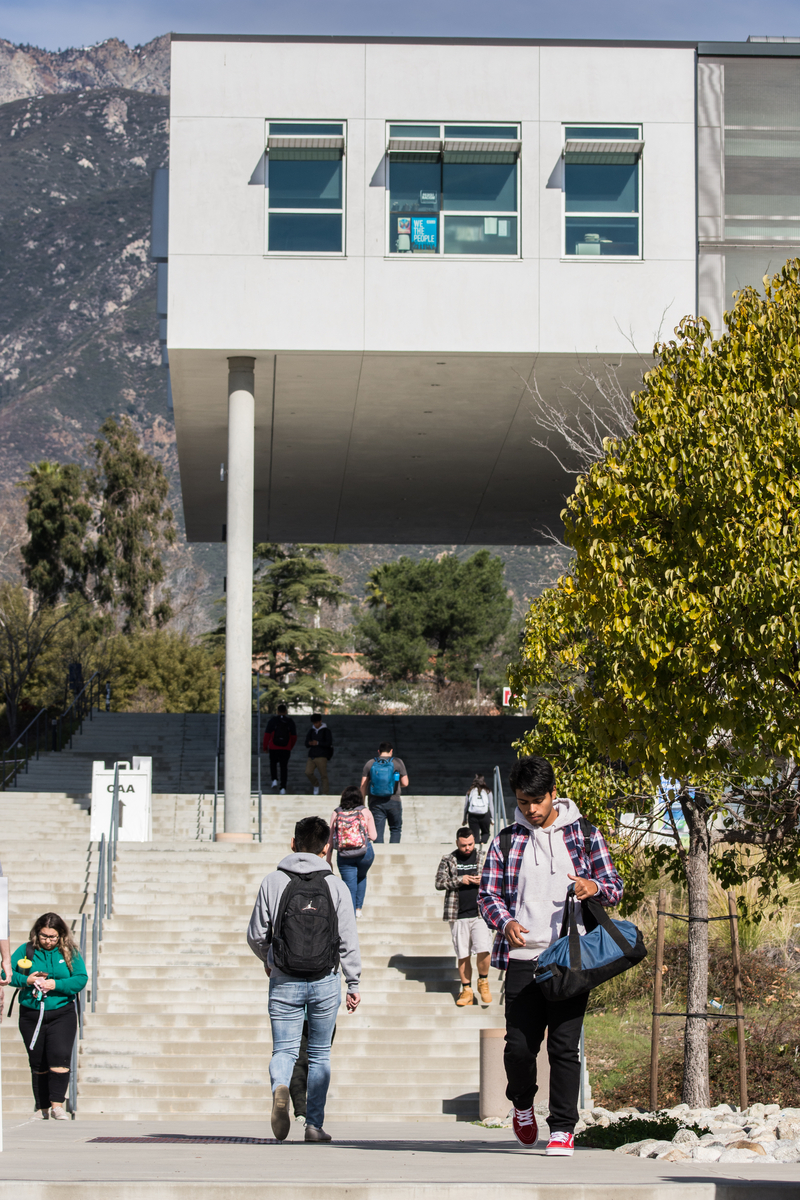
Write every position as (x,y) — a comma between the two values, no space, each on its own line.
(279,739)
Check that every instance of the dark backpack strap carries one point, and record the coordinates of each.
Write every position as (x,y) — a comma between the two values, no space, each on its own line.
(506,837)
(11,1005)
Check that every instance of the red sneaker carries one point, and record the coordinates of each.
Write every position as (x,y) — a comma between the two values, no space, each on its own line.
(526,1131)
(562,1144)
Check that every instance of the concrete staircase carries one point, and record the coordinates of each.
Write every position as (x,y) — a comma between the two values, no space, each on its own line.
(181,1027)
(441,753)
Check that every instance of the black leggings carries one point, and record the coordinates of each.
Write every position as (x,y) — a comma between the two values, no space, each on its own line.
(53,1048)
(480,824)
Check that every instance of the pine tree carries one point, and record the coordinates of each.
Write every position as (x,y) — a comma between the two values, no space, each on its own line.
(58,556)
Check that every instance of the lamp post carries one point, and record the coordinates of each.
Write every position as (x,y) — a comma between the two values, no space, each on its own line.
(478,669)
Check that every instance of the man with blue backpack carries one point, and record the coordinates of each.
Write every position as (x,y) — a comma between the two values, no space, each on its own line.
(381,781)
(529,870)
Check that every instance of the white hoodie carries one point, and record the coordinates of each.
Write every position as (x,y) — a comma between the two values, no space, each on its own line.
(543,880)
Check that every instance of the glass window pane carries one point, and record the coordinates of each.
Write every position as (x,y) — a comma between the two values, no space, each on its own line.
(492,132)
(602,188)
(480,235)
(414,131)
(299,127)
(592,237)
(617,132)
(415,186)
(309,232)
(306,184)
(413,235)
(480,187)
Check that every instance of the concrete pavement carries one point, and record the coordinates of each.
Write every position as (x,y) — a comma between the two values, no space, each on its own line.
(62,1161)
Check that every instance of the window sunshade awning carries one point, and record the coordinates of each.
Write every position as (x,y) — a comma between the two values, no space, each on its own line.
(292,142)
(431,145)
(591,150)
(482,146)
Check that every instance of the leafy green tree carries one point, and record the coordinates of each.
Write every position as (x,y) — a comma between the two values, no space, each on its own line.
(163,672)
(133,527)
(28,649)
(57,558)
(680,620)
(446,610)
(291,584)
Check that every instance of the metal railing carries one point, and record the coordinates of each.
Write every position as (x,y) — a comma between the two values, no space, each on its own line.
(502,807)
(97,921)
(49,733)
(218,756)
(113,838)
(80,1002)
(258,744)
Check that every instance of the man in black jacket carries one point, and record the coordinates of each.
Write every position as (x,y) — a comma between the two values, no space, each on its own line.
(320,750)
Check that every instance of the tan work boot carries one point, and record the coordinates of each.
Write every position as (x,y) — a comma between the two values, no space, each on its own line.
(483,991)
(465,998)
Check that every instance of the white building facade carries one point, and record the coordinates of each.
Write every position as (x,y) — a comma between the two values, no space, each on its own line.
(377,247)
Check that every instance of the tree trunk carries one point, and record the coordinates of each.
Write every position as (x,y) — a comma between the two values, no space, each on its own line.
(695,1049)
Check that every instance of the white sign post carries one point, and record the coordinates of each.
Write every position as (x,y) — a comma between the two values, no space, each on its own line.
(135,800)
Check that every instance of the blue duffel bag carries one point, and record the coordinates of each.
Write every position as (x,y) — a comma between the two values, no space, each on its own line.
(576,962)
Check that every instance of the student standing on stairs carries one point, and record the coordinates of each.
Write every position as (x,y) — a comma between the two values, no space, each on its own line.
(279,739)
(479,809)
(50,973)
(458,877)
(528,871)
(382,780)
(303,927)
(320,751)
(352,834)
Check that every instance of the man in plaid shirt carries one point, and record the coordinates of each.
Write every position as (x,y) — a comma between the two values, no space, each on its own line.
(526,876)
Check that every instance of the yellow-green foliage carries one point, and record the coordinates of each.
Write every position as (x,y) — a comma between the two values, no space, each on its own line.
(168,669)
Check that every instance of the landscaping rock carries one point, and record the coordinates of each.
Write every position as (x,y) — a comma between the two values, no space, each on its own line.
(788,1128)
(634,1147)
(707,1153)
(674,1154)
(729,1155)
(597,1113)
(786,1152)
(686,1135)
(744,1144)
(654,1150)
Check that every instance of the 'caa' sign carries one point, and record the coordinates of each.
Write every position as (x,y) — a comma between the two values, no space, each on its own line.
(135,803)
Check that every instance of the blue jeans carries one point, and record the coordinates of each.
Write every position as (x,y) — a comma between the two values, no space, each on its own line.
(354,873)
(291,1001)
(383,809)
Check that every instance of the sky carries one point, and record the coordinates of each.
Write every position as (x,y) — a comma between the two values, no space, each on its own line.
(58,24)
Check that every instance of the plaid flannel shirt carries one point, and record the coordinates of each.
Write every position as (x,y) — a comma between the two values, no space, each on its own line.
(497,897)
(447,882)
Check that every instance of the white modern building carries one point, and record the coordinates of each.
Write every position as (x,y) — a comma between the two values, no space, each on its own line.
(375,246)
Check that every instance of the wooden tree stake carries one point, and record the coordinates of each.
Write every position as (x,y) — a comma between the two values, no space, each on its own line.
(657,982)
(737,995)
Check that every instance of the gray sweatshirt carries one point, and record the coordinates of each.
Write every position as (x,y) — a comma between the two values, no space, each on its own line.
(259,931)
(543,881)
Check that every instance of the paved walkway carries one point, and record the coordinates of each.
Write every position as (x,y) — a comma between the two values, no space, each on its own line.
(59,1161)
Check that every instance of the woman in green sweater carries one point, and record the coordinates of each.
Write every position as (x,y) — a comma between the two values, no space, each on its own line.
(50,973)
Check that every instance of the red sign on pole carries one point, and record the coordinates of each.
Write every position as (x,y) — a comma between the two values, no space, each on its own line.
(506,696)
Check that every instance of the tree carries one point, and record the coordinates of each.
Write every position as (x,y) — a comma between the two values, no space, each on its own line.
(28,637)
(681,617)
(58,556)
(132,528)
(290,585)
(162,671)
(446,609)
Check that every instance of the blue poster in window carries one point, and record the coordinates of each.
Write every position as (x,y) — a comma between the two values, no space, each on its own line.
(424,233)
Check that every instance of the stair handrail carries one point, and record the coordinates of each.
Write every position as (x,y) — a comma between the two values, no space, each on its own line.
(500,803)
(113,837)
(23,736)
(217,756)
(97,920)
(82,708)
(258,744)
(85,705)
(80,1001)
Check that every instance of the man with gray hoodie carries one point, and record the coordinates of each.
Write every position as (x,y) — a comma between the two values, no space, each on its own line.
(528,871)
(303,928)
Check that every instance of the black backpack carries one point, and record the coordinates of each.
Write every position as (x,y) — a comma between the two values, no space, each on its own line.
(281,733)
(305,941)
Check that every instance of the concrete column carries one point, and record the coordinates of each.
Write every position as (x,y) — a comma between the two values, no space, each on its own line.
(239,598)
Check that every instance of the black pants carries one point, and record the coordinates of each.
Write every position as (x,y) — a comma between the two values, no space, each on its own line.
(528,1014)
(53,1048)
(383,809)
(480,824)
(298,1084)
(279,760)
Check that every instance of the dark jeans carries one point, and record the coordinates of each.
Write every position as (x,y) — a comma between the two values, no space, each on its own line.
(298,1085)
(480,824)
(53,1049)
(354,873)
(383,809)
(528,1014)
(279,760)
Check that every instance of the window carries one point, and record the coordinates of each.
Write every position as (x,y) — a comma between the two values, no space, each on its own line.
(305,187)
(453,189)
(602,191)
